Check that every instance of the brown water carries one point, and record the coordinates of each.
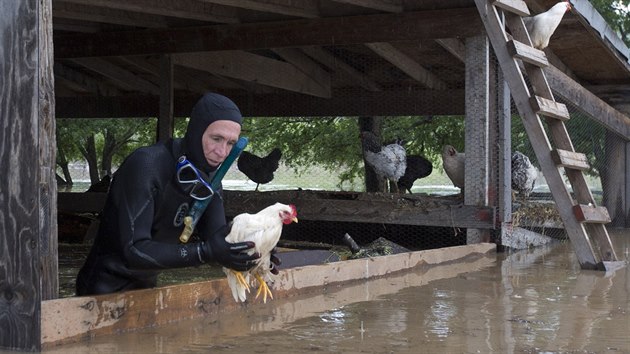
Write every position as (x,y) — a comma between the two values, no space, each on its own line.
(536,301)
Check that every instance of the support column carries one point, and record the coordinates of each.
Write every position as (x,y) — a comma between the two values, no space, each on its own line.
(28,190)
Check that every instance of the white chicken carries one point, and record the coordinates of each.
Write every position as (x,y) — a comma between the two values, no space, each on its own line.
(453,163)
(389,161)
(524,174)
(542,26)
(263,228)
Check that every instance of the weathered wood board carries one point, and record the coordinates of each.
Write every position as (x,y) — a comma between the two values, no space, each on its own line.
(335,206)
(79,318)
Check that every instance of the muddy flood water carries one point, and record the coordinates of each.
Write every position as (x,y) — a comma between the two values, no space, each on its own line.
(535,301)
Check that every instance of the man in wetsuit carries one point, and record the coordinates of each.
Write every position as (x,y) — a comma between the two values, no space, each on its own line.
(148,199)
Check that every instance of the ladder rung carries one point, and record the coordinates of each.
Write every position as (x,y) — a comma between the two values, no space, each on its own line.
(549,108)
(527,54)
(570,159)
(591,214)
(518,7)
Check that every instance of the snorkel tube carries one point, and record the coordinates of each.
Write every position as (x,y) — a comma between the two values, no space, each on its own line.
(199,206)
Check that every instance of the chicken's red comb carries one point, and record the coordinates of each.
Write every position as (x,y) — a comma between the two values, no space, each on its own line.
(293,210)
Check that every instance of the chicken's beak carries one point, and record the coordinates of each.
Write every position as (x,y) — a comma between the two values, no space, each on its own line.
(295,220)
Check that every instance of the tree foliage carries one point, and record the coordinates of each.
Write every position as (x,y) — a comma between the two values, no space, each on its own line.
(617,15)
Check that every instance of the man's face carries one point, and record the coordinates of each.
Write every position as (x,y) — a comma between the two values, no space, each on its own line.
(218,139)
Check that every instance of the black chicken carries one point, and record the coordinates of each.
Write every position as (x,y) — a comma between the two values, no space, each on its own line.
(417,167)
(259,169)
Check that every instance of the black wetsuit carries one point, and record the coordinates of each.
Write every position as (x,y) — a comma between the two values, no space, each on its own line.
(141,223)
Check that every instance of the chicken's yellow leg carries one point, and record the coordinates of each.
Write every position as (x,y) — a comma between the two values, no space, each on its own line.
(241,279)
(263,288)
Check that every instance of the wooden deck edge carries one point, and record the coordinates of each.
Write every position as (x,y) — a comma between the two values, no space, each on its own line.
(74,319)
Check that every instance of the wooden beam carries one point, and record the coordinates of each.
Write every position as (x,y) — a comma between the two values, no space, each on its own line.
(318,207)
(408,65)
(120,76)
(84,82)
(254,68)
(381,5)
(386,103)
(452,23)
(105,15)
(187,9)
(454,46)
(588,103)
(334,63)
(297,8)
(306,64)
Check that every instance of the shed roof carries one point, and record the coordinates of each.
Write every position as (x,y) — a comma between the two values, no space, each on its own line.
(108,54)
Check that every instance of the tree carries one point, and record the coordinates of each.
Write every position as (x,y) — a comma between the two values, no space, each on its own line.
(617,15)
(112,139)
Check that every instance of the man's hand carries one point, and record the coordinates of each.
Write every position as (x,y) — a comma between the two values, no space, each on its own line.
(230,255)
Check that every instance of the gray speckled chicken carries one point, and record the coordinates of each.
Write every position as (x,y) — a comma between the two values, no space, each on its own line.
(524,174)
(389,161)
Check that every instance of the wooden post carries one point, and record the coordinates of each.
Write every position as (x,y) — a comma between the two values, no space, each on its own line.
(477,125)
(166,122)
(28,265)
(504,165)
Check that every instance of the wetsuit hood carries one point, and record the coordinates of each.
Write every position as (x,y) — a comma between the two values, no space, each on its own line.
(210,108)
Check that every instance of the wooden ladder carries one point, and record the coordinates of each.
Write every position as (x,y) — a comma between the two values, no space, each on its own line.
(581,216)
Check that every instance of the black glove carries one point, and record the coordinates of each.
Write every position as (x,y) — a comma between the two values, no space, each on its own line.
(275,262)
(229,255)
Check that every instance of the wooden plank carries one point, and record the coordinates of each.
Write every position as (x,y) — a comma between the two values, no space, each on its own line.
(254,68)
(337,64)
(28,263)
(122,77)
(570,159)
(452,23)
(187,9)
(297,8)
(322,206)
(307,65)
(517,7)
(549,108)
(594,107)
(365,208)
(591,214)
(381,5)
(408,65)
(285,104)
(101,315)
(527,54)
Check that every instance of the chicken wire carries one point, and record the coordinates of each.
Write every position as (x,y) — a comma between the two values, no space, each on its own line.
(536,213)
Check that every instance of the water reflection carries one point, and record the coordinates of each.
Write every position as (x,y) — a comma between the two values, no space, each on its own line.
(536,301)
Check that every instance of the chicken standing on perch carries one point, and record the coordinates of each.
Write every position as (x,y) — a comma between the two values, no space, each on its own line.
(542,26)
(389,161)
(524,174)
(454,163)
(259,169)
